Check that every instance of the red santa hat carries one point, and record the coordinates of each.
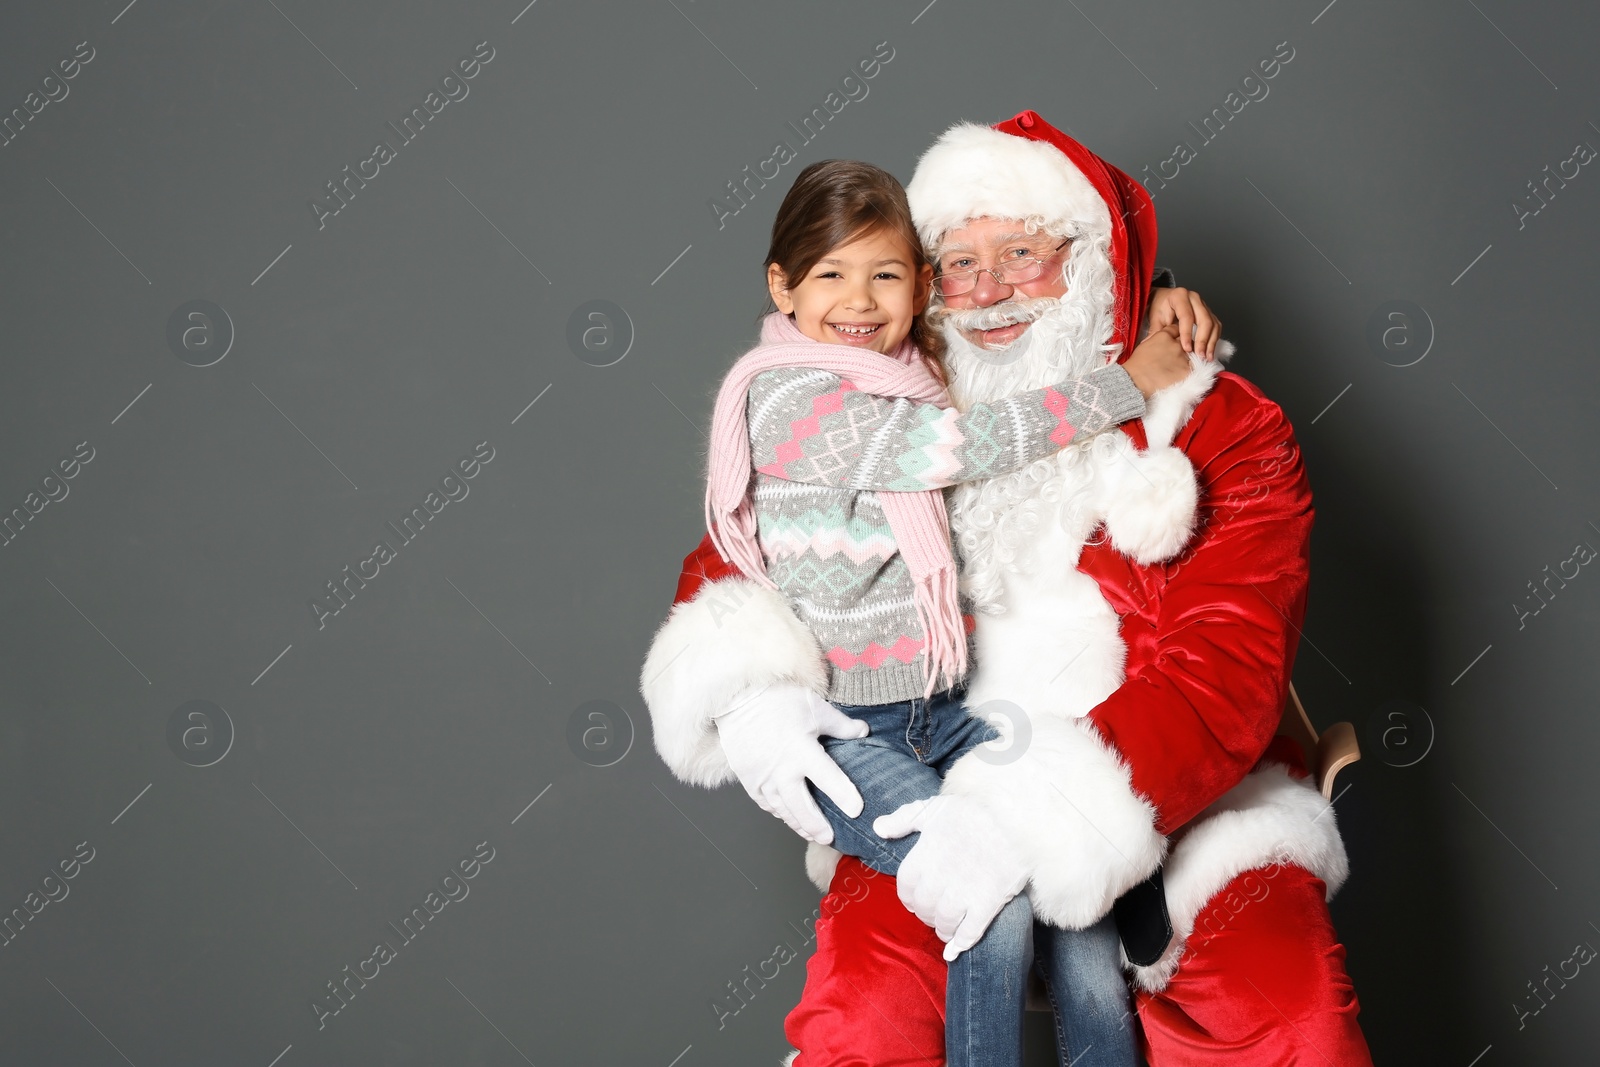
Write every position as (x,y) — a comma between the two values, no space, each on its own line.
(1026,168)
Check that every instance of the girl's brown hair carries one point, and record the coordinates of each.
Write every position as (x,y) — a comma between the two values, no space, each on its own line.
(834,202)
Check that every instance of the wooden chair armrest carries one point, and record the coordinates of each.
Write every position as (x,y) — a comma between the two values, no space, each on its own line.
(1337,748)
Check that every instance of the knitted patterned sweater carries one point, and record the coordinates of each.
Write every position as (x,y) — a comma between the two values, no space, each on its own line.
(823,450)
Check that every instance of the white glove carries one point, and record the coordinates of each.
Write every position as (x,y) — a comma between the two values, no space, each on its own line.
(961,872)
(770,738)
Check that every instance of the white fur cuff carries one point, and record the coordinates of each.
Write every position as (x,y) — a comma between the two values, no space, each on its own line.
(1069,804)
(733,635)
(1268,821)
(821,861)
(1169,409)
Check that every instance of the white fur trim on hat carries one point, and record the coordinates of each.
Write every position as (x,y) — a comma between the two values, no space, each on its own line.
(974,171)
(733,635)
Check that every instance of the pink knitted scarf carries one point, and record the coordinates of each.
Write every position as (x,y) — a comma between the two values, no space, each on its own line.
(918,520)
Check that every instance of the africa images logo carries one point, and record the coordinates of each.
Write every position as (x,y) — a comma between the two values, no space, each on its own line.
(452,487)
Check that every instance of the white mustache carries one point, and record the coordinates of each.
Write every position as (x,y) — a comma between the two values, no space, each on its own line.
(1006,313)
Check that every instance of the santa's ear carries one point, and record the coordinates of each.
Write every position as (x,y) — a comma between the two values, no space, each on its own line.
(778,287)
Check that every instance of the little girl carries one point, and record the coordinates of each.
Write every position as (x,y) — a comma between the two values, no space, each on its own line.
(841,419)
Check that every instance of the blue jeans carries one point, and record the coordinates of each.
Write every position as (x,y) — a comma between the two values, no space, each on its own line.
(904,758)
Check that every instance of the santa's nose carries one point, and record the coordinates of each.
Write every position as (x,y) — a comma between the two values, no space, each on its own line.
(989,291)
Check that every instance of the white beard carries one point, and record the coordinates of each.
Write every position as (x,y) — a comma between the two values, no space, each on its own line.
(1069,337)
(996,522)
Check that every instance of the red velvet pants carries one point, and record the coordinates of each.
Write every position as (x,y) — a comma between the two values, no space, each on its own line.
(1268,989)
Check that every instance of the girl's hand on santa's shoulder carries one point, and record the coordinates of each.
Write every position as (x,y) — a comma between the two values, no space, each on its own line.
(1158,362)
(1198,329)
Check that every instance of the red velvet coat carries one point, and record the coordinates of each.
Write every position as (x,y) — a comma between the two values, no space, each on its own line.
(1211,635)
(1211,638)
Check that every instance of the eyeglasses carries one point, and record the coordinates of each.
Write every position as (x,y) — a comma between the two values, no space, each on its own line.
(1012,272)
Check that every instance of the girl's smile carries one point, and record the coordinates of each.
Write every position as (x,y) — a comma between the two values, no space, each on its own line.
(865,293)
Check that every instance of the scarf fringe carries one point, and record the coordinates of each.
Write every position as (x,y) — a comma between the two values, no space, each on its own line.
(944,637)
(742,549)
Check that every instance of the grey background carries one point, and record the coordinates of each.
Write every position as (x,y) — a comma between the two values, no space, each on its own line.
(371,755)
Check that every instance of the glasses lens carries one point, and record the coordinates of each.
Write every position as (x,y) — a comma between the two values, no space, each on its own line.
(955,284)
(1021,270)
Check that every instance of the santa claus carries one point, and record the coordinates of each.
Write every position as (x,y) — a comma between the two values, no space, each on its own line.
(1138,601)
